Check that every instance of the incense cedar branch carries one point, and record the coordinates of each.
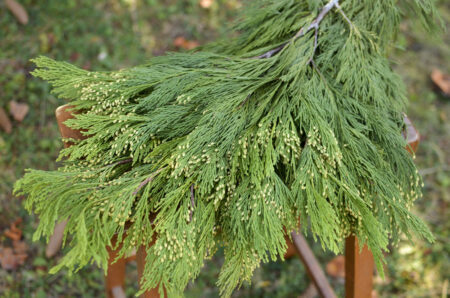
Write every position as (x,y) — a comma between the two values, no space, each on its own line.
(298,117)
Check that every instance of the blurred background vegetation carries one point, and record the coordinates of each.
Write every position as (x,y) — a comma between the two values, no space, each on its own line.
(112,34)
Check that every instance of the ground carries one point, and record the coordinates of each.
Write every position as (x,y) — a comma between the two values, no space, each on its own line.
(113,34)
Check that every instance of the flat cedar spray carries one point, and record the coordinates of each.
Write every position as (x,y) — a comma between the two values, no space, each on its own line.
(297,118)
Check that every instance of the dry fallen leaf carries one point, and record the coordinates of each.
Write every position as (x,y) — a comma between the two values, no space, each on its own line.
(206,3)
(5,123)
(7,258)
(183,43)
(441,80)
(11,259)
(18,110)
(14,232)
(11,235)
(20,247)
(336,267)
(18,11)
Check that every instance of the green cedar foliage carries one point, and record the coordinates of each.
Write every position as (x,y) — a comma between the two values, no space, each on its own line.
(299,117)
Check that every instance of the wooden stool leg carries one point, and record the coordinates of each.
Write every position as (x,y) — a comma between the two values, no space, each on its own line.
(115,277)
(359,269)
(312,266)
(62,114)
(291,250)
(54,244)
(141,254)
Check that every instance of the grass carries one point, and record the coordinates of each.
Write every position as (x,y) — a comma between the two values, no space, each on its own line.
(114,34)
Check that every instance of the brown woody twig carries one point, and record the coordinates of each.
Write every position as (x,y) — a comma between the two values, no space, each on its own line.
(314,25)
(148,180)
(192,202)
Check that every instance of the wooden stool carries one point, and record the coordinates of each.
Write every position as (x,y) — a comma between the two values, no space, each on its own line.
(359,267)
(115,276)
